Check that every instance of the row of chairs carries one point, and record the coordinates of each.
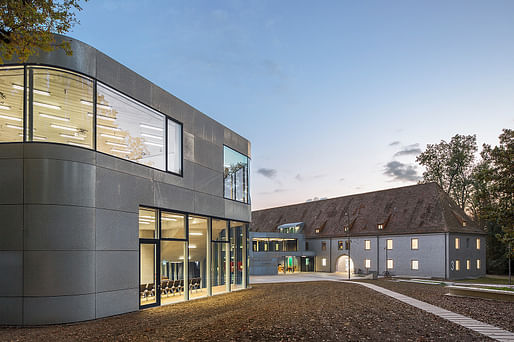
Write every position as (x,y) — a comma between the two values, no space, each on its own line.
(169,287)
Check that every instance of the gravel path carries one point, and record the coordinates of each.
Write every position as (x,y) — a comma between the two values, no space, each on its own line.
(314,311)
(497,313)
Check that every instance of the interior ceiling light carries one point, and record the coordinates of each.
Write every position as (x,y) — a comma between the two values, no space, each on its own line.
(10,118)
(36,91)
(119,151)
(111,136)
(72,129)
(99,105)
(50,116)
(142,222)
(115,144)
(14,127)
(197,234)
(168,219)
(77,144)
(151,127)
(152,144)
(46,105)
(192,246)
(77,137)
(115,129)
(147,216)
(151,136)
(103,117)
(5,107)
(35,137)
(86,102)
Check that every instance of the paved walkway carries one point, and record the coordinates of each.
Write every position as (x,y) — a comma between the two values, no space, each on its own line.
(480,327)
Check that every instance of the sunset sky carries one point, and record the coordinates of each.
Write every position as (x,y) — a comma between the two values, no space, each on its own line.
(336,97)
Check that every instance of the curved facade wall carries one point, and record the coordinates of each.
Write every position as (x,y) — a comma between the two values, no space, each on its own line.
(69,244)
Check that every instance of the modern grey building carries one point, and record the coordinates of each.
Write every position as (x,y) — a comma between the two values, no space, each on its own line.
(414,231)
(115,195)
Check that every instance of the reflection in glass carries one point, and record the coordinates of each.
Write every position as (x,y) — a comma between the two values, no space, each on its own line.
(11,107)
(219,230)
(197,256)
(128,129)
(173,226)
(219,266)
(147,223)
(174,147)
(147,288)
(57,108)
(236,253)
(236,175)
(172,271)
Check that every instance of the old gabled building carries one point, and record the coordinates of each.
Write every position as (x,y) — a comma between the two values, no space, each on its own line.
(413,231)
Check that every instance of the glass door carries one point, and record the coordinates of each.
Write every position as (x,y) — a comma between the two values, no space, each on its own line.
(149,288)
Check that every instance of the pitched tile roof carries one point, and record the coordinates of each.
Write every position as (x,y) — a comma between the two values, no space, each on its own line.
(416,209)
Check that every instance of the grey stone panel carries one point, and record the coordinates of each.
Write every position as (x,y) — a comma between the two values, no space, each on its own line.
(208,180)
(173,197)
(120,191)
(49,181)
(117,270)
(11,151)
(237,211)
(125,166)
(11,227)
(237,142)
(57,227)
(83,59)
(11,310)
(116,302)
(60,152)
(188,146)
(186,181)
(208,129)
(59,273)
(116,230)
(11,269)
(209,205)
(209,154)
(11,181)
(62,309)
(188,115)
(166,103)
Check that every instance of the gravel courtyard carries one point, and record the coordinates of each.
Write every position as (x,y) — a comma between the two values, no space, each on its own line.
(314,311)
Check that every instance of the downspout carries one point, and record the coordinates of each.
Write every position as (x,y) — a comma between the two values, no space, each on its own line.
(330,256)
(378,256)
(446,256)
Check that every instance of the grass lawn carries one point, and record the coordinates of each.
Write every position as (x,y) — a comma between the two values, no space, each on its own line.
(486,280)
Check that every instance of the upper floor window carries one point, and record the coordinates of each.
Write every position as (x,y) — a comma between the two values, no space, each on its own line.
(340,244)
(11,105)
(414,243)
(367,244)
(457,243)
(323,246)
(478,243)
(389,244)
(380,226)
(414,265)
(236,175)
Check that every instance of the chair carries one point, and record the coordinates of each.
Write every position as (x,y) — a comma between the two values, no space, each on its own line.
(151,289)
(164,287)
(142,290)
(181,288)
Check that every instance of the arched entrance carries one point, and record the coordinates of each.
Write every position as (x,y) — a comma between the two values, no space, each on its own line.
(343,263)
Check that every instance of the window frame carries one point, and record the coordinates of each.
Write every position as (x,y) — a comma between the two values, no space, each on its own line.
(387,244)
(28,115)
(417,244)
(367,245)
(248,198)
(412,265)
(478,244)
(456,243)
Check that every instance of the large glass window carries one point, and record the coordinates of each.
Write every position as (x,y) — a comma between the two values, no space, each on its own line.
(197,256)
(147,223)
(236,253)
(147,275)
(11,105)
(174,147)
(236,175)
(219,266)
(128,129)
(172,271)
(219,230)
(173,226)
(58,112)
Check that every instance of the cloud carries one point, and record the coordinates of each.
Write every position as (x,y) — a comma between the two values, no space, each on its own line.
(400,171)
(341,179)
(409,150)
(299,177)
(268,173)
(273,192)
(394,143)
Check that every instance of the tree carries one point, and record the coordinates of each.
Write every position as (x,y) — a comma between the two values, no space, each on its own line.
(27,26)
(451,166)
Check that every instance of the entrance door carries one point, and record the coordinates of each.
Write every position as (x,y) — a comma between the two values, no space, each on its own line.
(149,286)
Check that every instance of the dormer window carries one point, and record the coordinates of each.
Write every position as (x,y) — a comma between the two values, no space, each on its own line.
(380,226)
(464,223)
(346,228)
(316,231)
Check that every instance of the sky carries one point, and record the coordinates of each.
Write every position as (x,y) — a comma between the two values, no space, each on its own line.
(336,97)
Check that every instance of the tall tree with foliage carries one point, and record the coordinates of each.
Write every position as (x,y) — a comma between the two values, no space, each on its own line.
(450,164)
(27,26)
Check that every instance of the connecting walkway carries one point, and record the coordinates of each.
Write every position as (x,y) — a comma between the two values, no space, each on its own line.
(480,327)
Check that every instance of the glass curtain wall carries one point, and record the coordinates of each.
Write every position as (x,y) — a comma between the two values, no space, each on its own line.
(148,274)
(173,251)
(220,256)
(236,175)
(11,106)
(198,256)
(237,251)
(174,146)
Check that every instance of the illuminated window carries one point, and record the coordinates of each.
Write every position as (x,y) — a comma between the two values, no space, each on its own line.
(478,243)
(367,263)
(457,265)
(147,223)
(464,223)
(11,105)
(367,244)
(323,262)
(317,231)
(414,243)
(346,228)
(390,264)
(236,175)
(414,265)
(457,243)
(323,246)
(468,264)
(478,264)
(389,243)
(380,226)
(340,244)
(347,245)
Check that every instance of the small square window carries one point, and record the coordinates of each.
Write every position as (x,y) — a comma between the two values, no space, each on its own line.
(316,230)
(340,244)
(414,265)
(390,264)
(478,264)
(380,226)
(389,243)
(346,228)
(347,245)
(468,264)
(457,243)
(464,223)
(323,262)
(478,243)
(367,263)
(323,246)
(414,243)
(457,265)
(367,245)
